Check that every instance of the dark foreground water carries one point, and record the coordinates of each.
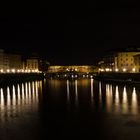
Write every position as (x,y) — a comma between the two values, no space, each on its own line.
(69,109)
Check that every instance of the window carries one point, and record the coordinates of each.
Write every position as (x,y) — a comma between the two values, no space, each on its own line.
(126,59)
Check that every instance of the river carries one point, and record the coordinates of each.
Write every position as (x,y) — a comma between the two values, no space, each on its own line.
(81,108)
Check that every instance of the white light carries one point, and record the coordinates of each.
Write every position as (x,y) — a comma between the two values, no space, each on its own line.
(91,76)
(1,70)
(116,70)
(133,69)
(76,76)
(101,69)
(107,69)
(75,69)
(83,75)
(13,70)
(18,70)
(8,70)
(124,70)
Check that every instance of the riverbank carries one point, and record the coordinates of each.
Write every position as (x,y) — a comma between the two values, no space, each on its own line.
(8,78)
(122,78)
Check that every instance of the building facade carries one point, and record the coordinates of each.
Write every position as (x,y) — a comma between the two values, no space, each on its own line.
(137,62)
(1,58)
(81,69)
(9,61)
(32,64)
(125,61)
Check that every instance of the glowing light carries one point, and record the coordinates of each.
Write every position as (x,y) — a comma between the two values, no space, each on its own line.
(107,69)
(101,70)
(13,70)
(116,70)
(91,91)
(1,71)
(133,69)
(76,93)
(8,96)
(124,102)
(8,70)
(68,92)
(134,102)
(124,70)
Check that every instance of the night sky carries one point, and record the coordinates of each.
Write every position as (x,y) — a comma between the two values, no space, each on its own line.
(70,32)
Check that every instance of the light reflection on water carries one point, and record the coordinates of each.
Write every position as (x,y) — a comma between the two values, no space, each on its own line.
(18,99)
(113,98)
(63,105)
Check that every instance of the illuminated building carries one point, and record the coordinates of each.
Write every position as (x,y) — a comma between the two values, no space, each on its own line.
(82,69)
(121,61)
(125,60)
(32,63)
(1,58)
(137,62)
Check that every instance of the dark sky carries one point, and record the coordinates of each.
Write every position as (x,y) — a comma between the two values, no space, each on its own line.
(70,32)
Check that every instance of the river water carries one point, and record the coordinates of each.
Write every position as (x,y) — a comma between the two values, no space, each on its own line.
(82,108)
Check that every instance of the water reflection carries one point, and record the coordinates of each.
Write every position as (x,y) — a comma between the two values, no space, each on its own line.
(111,98)
(134,102)
(92,95)
(17,99)
(76,93)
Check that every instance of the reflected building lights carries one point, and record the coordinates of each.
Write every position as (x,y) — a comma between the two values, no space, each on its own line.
(134,102)
(13,100)
(76,93)
(116,100)
(14,96)
(91,86)
(8,97)
(26,92)
(124,102)
(2,98)
(29,93)
(36,87)
(100,93)
(18,95)
(109,97)
(23,93)
(2,108)
(68,92)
